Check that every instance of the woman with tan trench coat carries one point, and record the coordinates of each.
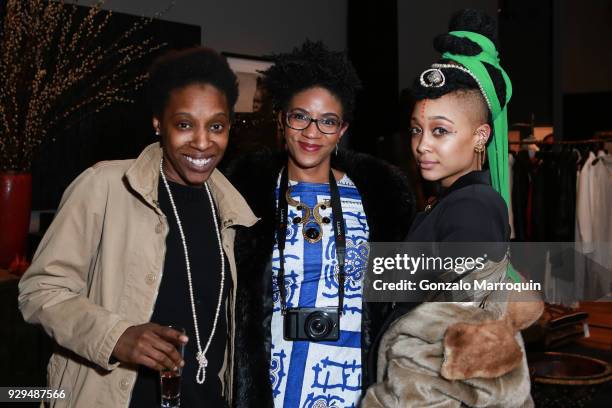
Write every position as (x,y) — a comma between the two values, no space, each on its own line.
(140,244)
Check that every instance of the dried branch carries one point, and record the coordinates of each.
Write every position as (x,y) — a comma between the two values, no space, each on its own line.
(54,71)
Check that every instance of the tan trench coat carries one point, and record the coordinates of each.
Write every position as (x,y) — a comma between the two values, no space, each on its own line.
(97,272)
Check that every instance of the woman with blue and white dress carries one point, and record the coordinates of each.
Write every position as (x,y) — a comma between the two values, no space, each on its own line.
(304,334)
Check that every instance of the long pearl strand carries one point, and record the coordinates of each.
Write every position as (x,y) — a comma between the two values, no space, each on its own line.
(201,355)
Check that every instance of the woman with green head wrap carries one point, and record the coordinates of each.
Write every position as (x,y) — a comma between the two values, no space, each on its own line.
(458,127)
(454,350)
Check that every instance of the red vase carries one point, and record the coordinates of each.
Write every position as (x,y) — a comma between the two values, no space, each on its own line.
(15,208)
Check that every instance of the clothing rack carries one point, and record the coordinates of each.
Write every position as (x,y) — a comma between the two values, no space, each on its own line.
(554,142)
(566,142)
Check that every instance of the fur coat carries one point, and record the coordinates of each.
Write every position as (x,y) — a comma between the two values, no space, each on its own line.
(389,206)
(456,354)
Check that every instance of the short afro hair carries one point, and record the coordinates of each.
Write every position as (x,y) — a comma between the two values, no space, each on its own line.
(308,66)
(456,80)
(178,69)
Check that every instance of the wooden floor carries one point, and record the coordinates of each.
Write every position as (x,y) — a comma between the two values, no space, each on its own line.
(600,325)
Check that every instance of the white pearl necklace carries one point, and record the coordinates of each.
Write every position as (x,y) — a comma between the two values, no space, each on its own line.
(201,355)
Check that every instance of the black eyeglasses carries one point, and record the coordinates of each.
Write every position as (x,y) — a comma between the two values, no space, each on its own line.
(300,121)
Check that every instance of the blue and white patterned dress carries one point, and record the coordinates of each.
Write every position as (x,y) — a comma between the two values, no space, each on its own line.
(308,374)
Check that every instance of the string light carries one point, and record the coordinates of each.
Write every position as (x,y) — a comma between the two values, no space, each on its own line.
(54,68)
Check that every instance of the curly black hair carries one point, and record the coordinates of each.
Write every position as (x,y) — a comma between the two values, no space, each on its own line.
(457,80)
(178,69)
(308,66)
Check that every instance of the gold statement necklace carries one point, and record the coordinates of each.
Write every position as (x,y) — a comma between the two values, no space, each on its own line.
(311,220)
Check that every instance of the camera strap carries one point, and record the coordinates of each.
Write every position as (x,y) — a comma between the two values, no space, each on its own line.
(281,236)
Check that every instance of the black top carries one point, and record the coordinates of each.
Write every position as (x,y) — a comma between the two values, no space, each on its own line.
(173,306)
(470,210)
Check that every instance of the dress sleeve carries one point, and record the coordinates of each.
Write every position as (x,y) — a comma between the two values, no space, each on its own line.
(54,290)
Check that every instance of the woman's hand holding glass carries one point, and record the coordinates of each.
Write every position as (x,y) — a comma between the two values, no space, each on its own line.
(151,345)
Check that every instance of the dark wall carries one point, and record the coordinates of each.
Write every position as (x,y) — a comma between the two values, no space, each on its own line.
(557,54)
(419,22)
(587,46)
(247,26)
(585,67)
(372,46)
(586,114)
(526,42)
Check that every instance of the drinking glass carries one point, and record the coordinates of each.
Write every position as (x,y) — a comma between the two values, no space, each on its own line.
(170,380)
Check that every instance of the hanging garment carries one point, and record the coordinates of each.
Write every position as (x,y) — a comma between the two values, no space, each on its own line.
(594,220)
(584,209)
(554,197)
(520,193)
(554,209)
(565,211)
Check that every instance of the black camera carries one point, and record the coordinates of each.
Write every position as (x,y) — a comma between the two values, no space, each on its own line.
(312,323)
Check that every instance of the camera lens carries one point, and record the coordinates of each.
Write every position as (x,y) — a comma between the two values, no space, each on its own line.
(318,325)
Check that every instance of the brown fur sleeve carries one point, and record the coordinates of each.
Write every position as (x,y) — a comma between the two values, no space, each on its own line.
(488,349)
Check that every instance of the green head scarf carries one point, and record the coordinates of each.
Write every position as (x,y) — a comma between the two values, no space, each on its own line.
(498,146)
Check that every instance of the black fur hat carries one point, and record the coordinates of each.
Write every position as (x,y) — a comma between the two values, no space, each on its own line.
(465,20)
